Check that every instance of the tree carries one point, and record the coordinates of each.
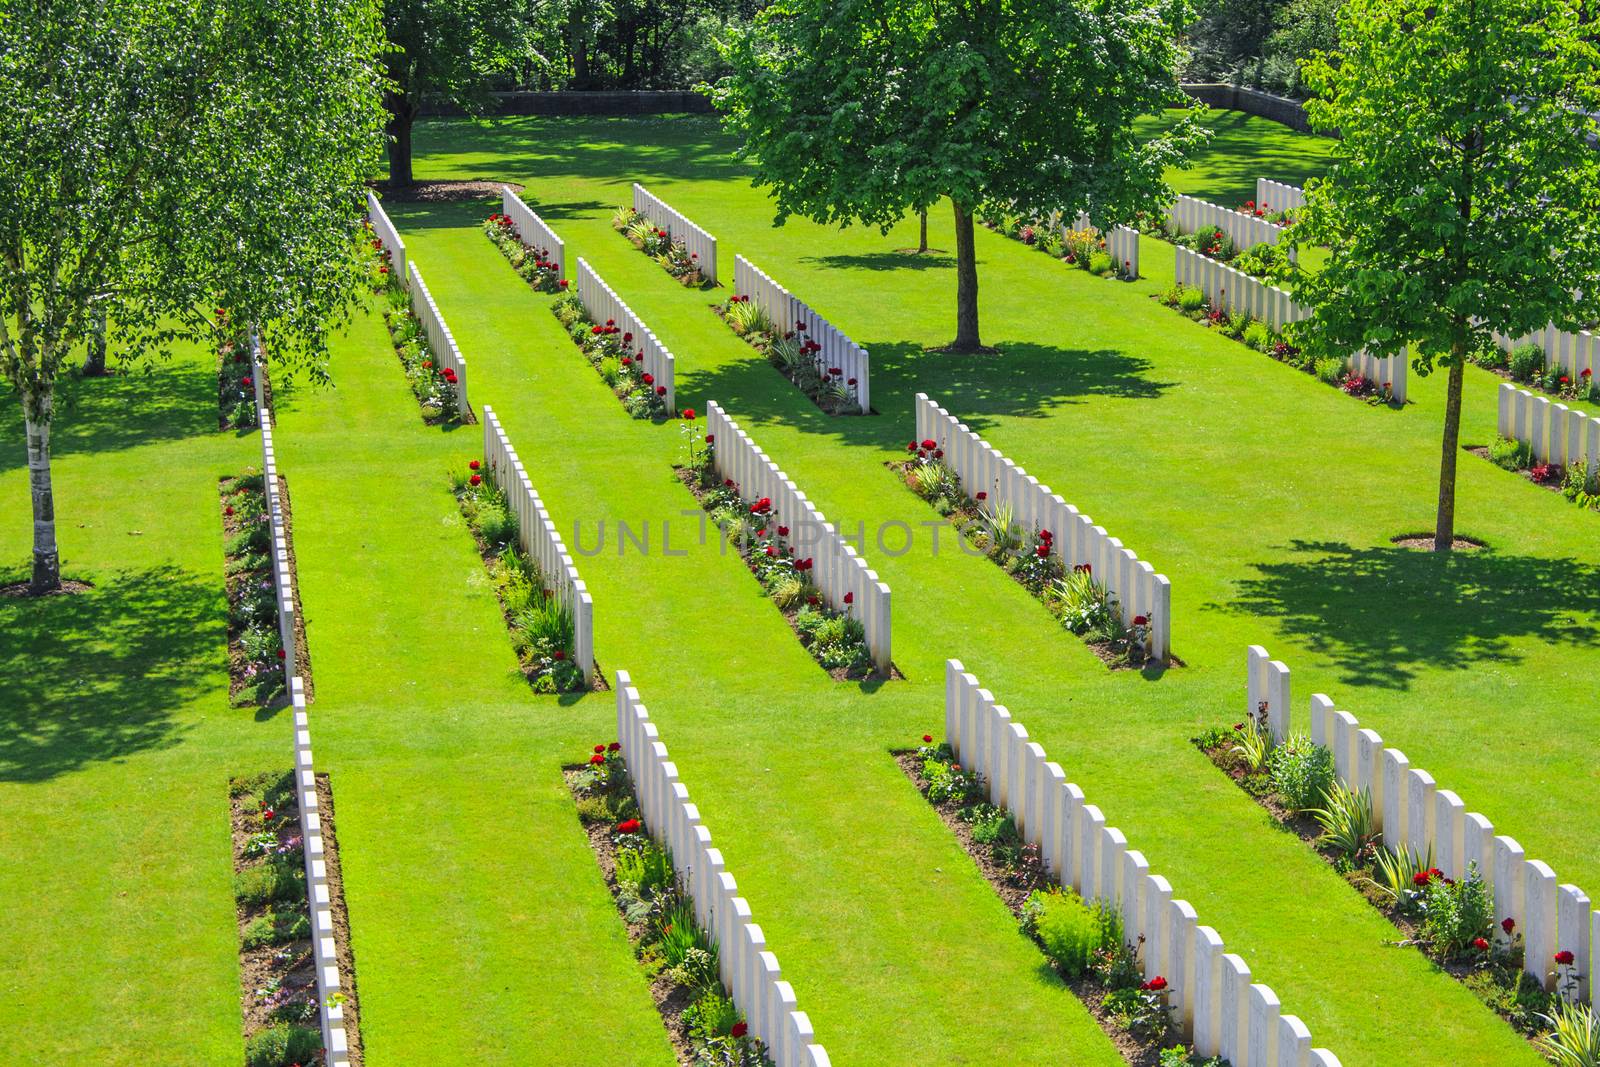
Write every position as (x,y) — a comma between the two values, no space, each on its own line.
(1305,27)
(1227,38)
(1463,196)
(864,110)
(162,161)
(449,50)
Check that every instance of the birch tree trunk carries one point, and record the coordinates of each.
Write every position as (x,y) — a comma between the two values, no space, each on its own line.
(46,560)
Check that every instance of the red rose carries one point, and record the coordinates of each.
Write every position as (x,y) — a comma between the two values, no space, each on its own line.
(1480,944)
(228,510)
(1140,620)
(1420,878)
(1564,957)
(688,413)
(849,598)
(1043,551)
(473,465)
(661,390)
(281,655)
(1508,924)
(649,379)
(248,381)
(559,654)
(981,496)
(615,746)
(563,283)
(611,322)
(476,479)
(911,446)
(930,444)
(629,826)
(597,760)
(1155,985)
(599,748)
(927,738)
(739,1029)
(711,438)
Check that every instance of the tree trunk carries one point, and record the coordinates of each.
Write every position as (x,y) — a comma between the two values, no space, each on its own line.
(46,560)
(1444,531)
(402,113)
(966,285)
(922,242)
(94,361)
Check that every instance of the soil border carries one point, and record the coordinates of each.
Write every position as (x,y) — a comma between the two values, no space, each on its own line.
(1526,474)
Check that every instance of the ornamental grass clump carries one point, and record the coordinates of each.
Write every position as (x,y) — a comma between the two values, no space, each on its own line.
(1301,773)
(794,354)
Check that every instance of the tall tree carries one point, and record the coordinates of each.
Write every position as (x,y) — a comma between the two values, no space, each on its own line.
(1464,196)
(447,50)
(161,161)
(864,110)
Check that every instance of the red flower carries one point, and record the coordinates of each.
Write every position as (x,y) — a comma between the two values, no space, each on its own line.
(627,338)
(1155,985)
(248,381)
(771,551)
(1565,957)
(615,746)
(1480,944)
(911,446)
(727,483)
(599,748)
(688,413)
(559,654)
(661,390)
(1565,380)
(649,379)
(1420,878)
(1508,924)
(281,655)
(849,598)
(711,438)
(739,1030)
(228,510)
(927,738)
(783,531)
(930,444)
(611,322)
(597,330)
(1586,373)
(981,495)
(628,826)
(938,453)
(627,361)
(852,381)
(1140,620)
(476,479)
(563,283)
(473,465)
(1043,551)
(597,759)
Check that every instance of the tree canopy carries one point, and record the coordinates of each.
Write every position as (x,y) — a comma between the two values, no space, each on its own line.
(1464,197)
(865,110)
(161,161)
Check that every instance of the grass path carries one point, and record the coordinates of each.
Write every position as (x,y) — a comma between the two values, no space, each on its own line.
(482,931)
(950,604)
(117,929)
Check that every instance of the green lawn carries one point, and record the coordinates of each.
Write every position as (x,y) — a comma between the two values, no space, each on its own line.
(482,932)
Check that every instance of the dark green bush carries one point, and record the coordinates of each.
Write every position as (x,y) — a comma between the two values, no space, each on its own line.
(280,1046)
(1527,361)
(274,880)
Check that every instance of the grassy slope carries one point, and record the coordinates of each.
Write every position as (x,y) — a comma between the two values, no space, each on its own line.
(116,739)
(1317,584)
(481,929)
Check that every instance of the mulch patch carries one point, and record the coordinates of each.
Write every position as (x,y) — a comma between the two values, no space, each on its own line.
(25,589)
(434,192)
(1424,541)
(1013,886)
(965,515)
(341,921)
(671,999)
(838,674)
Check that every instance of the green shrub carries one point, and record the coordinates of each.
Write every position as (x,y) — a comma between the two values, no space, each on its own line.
(1070,931)
(1100,263)
(1527,361)
(1511,454)
(1454,914)
(1191,299)
(1301,772)
(647,868)
(280,1046)
(1330,369)
(273,928)
(274,880)
(712,1015)
(1258,335)
(497,525)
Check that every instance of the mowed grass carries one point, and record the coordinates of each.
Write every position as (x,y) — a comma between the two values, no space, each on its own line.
(1213,462)
(116,740)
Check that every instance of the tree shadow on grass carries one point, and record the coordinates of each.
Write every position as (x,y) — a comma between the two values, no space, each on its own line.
(119,411)
(99,675)
(883,261)
(1383,614)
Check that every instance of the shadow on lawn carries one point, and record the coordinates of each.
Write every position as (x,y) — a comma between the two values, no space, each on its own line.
(1384,613)
(98,675)
(883,261)
(121,411)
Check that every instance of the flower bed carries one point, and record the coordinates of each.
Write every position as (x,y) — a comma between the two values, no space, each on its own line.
(236,392)
(1572,481)
(540,624)
(1451,921)
(793,354)
(1085,249)
(255,645)
(705,1027)
(611,352)
(1284,219)
(836,639)
(533,265)
(1255,333)
(1078,600)
(647,237)
(276,969)
(1525,364)
(1084,943)
(433,384)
